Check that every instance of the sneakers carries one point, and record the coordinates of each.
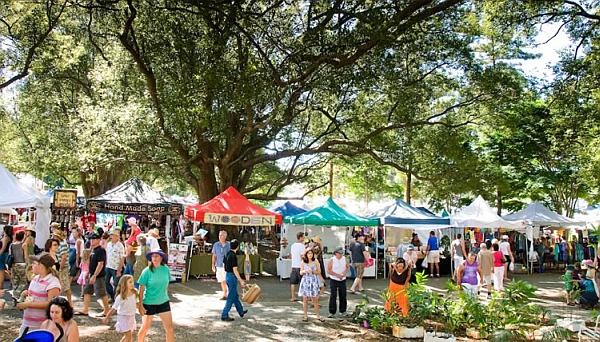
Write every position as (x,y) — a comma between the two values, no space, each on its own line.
(227,319)
(330,315)
(345,314)
(244,313)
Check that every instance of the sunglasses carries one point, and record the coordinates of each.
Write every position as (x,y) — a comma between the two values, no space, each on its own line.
(59,300)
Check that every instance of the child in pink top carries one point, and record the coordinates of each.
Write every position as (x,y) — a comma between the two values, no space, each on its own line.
(85,268)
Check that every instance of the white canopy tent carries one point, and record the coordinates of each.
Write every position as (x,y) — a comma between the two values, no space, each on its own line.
(15,194)
(536,214)
(479,214)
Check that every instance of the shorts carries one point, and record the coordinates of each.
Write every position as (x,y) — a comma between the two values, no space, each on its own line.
(507,257)
(359,269)
(470,289)
(433,257)
(3,261)
(488,279)
(99,287)
(220,274)
(152,310)
(295,276)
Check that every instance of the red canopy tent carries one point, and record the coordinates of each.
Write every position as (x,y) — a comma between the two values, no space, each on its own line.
(232,208)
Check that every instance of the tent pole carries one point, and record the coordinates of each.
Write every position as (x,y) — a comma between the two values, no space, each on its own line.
(376,250)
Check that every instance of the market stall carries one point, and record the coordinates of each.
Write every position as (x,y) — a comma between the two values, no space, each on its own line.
(14,194)
(136,198)
(538,217)
(479,223)
(329,221)
(230,208)
(400,220)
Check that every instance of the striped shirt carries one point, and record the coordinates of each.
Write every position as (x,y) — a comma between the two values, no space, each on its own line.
(38,290)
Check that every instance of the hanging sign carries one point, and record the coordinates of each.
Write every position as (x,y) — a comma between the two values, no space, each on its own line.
(65,199)
(239,220)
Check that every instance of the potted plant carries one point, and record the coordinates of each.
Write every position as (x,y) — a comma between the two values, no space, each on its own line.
(422,306)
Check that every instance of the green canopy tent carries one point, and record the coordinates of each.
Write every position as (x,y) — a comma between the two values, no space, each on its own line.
(329,221)
(330,214)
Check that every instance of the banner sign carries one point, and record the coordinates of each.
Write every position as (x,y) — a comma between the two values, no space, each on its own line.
(239,220)
(65,199)
(124,208)
(177,261)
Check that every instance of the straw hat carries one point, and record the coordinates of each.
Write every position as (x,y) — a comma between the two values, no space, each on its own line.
(406,239)
(317,239)
(54,224)
(154,232)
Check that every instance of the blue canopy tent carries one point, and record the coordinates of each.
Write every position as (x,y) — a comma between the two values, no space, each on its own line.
(288,209)
(400,219)
(403,215)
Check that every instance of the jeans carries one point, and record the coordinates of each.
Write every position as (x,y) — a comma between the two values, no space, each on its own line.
(232,296)
(111,274)
(128,269)
(337,288)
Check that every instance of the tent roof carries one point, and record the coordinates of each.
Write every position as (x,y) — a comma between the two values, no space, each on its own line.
(133,196)
(134,191)
(538,215)
(232,208)
(400,213)
(15,194)
(479,214)
(288,209)
(330,214)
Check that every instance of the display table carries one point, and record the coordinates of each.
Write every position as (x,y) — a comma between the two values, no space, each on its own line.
(202,264)
(284,268)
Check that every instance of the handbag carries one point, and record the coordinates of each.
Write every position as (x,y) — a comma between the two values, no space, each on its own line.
(511,267)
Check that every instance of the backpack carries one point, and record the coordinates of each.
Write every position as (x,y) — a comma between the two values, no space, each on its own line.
(37,250)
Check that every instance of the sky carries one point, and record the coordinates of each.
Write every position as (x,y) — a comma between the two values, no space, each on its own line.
(541,67)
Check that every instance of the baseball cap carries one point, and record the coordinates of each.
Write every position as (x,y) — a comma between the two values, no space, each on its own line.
(44,258)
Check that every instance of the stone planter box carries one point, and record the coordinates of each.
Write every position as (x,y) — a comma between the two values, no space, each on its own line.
(406,332)
(476,334)
(431,336)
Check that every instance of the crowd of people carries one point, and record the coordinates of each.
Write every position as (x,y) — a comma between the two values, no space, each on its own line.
(125,269)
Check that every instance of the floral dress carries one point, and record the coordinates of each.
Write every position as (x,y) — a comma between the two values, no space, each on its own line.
(310,283)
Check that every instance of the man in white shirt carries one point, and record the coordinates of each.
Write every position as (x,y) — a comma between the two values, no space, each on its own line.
(337,268)
(296,254)
(115,259)
(219,251)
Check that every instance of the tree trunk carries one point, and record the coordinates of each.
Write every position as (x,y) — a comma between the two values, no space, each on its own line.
(407,192)
(499,201)
(100,179)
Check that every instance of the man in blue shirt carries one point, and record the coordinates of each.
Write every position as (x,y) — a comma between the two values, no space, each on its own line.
(219,250)
(433,254)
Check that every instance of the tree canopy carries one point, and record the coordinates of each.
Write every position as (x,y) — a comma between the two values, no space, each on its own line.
(264,94)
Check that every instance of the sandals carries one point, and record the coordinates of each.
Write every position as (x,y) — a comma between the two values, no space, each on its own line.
(79,313)
(321,319)
(305,319)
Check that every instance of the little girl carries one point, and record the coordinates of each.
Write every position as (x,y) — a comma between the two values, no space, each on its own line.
(125,305)
(85,268)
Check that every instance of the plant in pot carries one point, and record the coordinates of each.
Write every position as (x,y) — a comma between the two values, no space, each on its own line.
(374,317)
(422,306)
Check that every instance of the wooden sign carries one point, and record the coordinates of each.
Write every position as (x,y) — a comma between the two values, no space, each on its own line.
(65,199)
